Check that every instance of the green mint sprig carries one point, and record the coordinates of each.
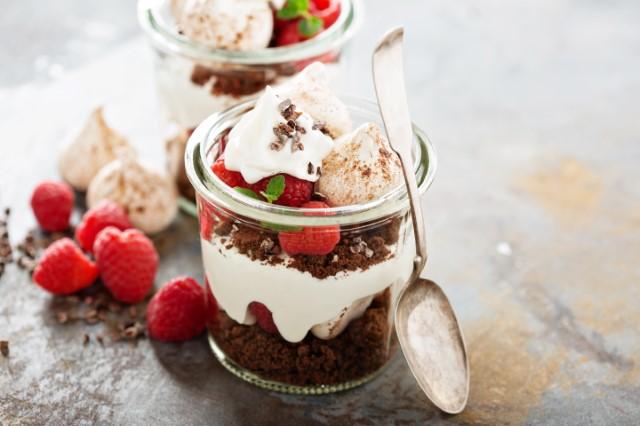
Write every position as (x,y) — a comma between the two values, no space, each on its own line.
(309,25)
(274,189)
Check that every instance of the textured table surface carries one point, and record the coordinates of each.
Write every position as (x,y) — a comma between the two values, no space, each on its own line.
(533,220)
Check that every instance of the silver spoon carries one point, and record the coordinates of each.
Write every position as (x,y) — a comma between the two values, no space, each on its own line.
(426,325)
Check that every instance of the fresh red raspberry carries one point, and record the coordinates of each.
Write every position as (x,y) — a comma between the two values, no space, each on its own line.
(327,10)
(288,34)
(320,4)
(52,204)
(206,218)
(178,311)
(64,269)
(296,191)
(127,261)
(230,177)
(107,213)
(211,302)
(314,240)
(263,317)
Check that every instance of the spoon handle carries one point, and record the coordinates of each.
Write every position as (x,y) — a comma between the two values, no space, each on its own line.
(388,78)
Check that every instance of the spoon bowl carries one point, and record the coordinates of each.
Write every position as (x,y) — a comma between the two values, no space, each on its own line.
(433,344)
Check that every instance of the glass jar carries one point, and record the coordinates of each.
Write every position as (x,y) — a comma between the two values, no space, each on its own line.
(195,80)
(331,322)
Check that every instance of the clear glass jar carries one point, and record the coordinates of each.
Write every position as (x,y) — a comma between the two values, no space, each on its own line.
(195,80)
(333,312)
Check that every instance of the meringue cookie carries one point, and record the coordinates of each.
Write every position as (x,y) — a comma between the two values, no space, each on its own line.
(330,329)
(225,24)
(149,198)
(361,168)
(94,146)
(310,92)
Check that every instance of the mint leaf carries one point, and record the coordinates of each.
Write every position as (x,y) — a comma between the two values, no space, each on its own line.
(293,8)
(247,192)
(274,188)
(280,228)
(310,25)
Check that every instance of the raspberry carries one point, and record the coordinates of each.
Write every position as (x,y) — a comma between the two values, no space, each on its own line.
(327,10)
(107,213)
(263,317)
(288,34)
(206,218)
(178,311)
(296,191)
(313,240)
(231,178)
(64,269)
(127,261)
(52,204)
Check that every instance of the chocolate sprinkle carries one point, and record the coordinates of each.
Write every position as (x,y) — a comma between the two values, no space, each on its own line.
(4,348)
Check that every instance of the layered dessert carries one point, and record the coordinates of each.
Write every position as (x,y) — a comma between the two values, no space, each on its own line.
(303,302)
(217,53)
(210,55)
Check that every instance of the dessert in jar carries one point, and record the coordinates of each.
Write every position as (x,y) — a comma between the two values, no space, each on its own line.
(306,235)
(212,54)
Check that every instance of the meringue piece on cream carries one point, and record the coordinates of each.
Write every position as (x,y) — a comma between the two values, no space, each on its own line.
(149,198)
(225,24)
(361,168)
(310,92)
(95,145)
(330,329)
(256,150)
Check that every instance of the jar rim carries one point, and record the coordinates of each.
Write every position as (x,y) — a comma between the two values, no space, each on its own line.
(216,192)
(170,40)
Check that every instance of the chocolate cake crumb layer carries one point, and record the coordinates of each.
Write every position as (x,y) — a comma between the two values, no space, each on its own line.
(363,348)
(356,250)
(233,83)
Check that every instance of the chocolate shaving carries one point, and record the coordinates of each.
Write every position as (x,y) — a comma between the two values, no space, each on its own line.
(310,168)
(4,348)
(6,252)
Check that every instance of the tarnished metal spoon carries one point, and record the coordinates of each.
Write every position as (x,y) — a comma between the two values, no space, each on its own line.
(426,325)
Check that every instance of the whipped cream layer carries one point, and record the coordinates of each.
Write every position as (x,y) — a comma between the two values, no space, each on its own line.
(255,150)
(298,301)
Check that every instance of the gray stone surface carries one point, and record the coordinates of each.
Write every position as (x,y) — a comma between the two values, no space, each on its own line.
(533,219)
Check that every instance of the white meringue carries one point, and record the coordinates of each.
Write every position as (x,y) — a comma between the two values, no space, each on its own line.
(149,198)
(310,92)
(361,168)
(95,145)
(225,24)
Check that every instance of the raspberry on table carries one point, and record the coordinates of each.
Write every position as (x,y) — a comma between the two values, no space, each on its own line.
(264,318)
(52,205)
(107,213)
(64,269)
(178,311)
(296,191)
(230,177)
(312,240)
(127,261)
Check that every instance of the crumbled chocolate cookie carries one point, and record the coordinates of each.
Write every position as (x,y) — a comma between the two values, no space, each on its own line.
(354,251)
(361,349)
(233,83)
